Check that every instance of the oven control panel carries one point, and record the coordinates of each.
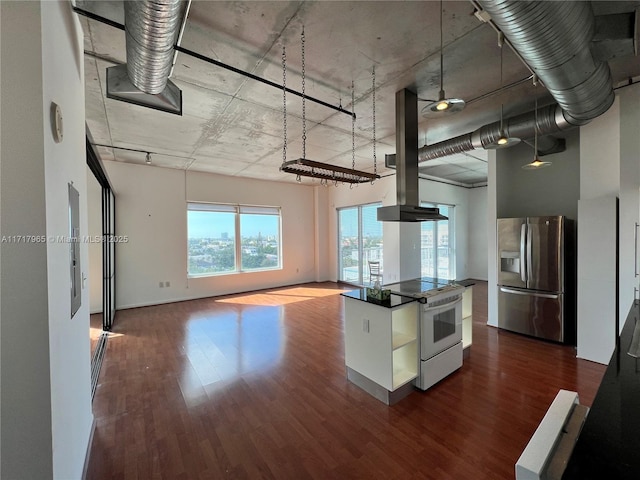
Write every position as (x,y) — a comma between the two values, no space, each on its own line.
(442,295)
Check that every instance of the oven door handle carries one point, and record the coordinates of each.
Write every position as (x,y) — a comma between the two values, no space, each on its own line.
(444,305)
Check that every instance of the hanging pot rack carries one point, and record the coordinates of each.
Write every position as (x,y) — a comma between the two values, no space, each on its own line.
(303,167)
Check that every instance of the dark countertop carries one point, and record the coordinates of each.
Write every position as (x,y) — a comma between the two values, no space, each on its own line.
(467,282)
(394,300)
(609,445)
(425,283)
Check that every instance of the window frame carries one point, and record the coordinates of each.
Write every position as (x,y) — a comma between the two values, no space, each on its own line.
(363,271)
(238,210)
(451,232)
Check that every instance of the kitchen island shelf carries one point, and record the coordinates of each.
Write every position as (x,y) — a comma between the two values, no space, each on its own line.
(381,345)
(401,377)
(402,339)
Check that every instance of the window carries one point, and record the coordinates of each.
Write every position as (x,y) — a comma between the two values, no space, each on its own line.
(359,241)
(214,230)
(437,245)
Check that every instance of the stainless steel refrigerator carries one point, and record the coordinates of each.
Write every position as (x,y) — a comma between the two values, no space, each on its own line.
(536,277)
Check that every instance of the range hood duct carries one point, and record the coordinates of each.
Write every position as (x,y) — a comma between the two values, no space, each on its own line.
(151,29)
(555,40)
(408,207)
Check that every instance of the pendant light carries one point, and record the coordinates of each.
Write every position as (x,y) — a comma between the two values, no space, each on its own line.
(442,105)
(503,140)
(536,163)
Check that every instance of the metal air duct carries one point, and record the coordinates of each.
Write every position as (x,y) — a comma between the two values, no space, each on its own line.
(550,120)
(555,39)
(151,30)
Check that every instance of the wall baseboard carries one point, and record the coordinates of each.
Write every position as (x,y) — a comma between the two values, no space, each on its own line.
(199,297)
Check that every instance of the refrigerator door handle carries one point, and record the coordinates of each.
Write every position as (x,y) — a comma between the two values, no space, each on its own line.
(529,254)
(635,250)
(523,240)
(529,294)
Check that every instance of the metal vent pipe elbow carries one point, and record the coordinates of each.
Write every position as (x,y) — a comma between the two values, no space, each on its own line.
(151,29)
(555,38)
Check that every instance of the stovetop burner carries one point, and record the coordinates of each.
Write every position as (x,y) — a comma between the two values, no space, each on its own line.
(423,287)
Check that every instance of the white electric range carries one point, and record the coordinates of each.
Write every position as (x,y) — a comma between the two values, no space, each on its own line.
(440,326)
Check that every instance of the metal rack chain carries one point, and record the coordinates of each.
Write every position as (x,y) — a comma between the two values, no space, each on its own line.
(284,104)
(304,110)
(353,128)
(501,84)
(373,81)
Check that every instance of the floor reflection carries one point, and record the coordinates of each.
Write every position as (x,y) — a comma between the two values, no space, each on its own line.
(225,346)
(281,296)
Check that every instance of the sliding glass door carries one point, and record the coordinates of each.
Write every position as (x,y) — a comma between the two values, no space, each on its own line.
(437,245)
(359,242)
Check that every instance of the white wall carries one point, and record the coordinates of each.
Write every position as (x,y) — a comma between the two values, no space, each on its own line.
(63,83)
(25,417)
(321,205)
(151,209)
(600,155)
(629,194)
(94,209)
(401,241)
(599,186)
(478,249)
(46,404)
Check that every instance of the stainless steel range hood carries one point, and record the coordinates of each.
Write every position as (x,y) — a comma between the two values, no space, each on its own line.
(408,207)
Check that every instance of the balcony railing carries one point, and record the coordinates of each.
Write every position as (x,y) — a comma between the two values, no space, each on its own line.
(352,273)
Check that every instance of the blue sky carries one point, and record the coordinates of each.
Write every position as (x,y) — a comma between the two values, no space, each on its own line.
(201,226)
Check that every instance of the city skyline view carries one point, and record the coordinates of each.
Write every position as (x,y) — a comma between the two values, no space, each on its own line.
(201,226)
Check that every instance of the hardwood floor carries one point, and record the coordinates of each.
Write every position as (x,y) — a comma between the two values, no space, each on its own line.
(253,386)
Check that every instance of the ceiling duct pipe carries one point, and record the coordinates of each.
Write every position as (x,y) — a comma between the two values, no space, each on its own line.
(550,121)
(151,29)
(555,39)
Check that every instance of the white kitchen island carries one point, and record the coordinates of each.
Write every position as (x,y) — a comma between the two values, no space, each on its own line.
(391,345)
(381,344)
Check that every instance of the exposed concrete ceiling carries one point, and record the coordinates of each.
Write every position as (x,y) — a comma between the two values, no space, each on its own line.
(232,125)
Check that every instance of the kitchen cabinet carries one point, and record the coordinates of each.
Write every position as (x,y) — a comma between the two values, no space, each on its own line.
(381,344)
